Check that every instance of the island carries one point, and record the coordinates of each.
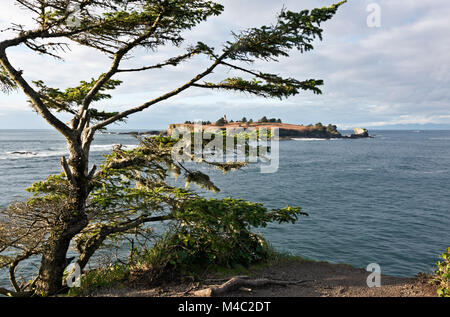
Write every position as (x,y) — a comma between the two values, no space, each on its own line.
(286,131)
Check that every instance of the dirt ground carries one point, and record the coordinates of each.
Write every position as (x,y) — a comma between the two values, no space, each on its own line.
(319,279)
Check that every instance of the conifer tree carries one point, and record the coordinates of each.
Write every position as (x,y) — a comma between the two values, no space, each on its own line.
(117,29)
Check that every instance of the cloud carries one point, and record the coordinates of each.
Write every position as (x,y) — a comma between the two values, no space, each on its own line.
(398,73)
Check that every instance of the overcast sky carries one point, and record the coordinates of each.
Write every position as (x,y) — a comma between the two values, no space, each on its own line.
(395,74)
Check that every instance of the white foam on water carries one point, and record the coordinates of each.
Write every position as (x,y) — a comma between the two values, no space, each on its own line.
(59,152)
(109,147)
(31,154)
(313,139)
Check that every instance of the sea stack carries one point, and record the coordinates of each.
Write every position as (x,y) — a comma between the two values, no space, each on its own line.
(361,133)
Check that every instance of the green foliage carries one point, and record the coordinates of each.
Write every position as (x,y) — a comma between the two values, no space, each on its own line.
(54,190)
(218,231)
(332,130)
(319,126)
(215,233)
(7,84)
(190,250)
(70,99)
(272,86)
(107,25)
(110,276)
(442,275)
(271,120)
(292,30)
(134,182)
(221,122)
(231,215)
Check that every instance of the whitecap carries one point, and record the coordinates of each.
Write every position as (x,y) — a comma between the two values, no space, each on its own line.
(30,154)
(22,154)
(313,139)
(109,147)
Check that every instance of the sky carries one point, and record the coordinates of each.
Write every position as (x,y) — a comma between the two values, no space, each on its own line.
(395,74)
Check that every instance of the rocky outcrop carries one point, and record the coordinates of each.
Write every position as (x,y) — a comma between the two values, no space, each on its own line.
(23,153)
(313,133)
(359,133)
(286,131)
(151,132)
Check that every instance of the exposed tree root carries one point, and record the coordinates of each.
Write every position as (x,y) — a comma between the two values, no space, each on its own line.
(241,283)
(6,292)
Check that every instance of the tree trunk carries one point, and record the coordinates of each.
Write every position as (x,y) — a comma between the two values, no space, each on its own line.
(70,223)
(90,247)
(53,264)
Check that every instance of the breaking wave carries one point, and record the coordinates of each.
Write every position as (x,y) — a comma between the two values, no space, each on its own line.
(22,154)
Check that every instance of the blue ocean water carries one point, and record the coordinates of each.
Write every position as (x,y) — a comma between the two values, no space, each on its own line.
(384,200)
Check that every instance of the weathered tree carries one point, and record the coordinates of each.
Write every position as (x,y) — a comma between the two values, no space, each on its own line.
(117,28)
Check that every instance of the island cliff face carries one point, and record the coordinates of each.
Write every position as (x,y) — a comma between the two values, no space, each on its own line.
(286,131)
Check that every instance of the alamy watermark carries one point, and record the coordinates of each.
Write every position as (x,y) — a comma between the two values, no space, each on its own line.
(74,277)
(200,143)
(374,17)
(374,278)
(73,20)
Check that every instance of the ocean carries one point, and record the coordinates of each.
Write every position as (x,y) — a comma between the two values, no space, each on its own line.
(384,200)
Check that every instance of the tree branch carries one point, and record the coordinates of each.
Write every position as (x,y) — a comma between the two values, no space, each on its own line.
(67,171)
(6,292)
(12,274)
(12,270)
(168,95)
(172,61)
(94,242)
(37,103)
(44,31)
(239,282)
(113,70)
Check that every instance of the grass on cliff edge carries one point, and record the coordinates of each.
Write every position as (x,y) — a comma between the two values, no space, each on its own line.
(126,275)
